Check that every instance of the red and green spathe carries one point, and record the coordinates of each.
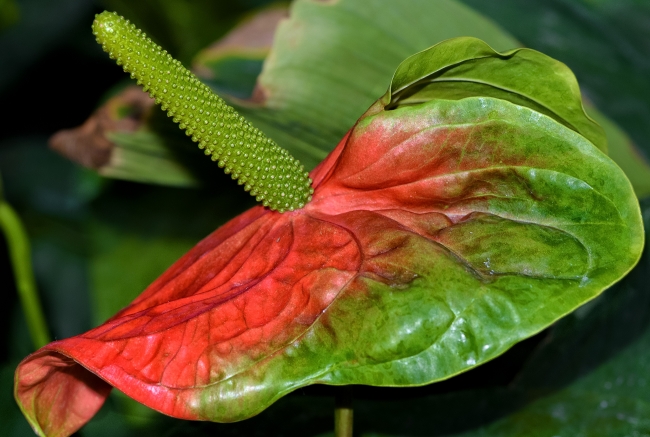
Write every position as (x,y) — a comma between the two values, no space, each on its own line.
(441,231)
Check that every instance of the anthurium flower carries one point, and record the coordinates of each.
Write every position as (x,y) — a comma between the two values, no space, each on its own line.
(441,231)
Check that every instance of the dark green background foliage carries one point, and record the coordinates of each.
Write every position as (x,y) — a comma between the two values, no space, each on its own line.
(589,374)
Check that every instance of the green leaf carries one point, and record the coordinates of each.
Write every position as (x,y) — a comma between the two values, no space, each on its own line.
(331,60)
(144,156)
(600,358)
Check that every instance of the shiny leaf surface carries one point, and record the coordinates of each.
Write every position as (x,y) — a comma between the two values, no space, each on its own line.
(610,400)
(468,67)
(559,388)
(406,229)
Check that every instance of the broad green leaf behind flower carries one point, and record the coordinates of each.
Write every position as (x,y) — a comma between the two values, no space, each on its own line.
(331,59)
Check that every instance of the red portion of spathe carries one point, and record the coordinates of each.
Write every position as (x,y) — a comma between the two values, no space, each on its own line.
(255,283)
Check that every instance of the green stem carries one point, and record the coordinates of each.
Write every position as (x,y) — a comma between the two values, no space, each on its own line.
(19,254)
(343,413)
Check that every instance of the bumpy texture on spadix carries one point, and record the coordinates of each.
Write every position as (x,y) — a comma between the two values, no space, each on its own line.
(273,176)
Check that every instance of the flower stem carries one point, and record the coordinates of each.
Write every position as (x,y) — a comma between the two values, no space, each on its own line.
(343,412)
(19,253)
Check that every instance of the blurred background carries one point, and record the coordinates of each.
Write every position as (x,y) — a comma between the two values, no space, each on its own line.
(98,241)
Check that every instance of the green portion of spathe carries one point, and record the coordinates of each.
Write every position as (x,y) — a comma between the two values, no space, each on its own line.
(271,175)
(466,67)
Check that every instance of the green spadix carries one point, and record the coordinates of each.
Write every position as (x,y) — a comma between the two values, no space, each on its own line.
(265,169)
